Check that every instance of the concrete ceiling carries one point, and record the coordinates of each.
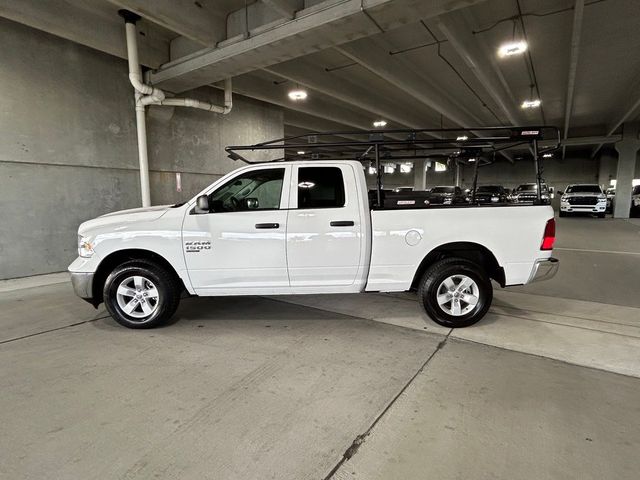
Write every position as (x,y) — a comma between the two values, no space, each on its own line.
(416,64)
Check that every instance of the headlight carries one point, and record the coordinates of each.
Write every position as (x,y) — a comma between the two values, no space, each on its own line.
(85,247)
(564,198)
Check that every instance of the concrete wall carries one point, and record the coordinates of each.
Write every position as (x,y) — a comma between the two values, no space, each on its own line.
(68,145)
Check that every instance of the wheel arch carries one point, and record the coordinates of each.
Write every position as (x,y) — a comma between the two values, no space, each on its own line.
(118,257)
(471,251)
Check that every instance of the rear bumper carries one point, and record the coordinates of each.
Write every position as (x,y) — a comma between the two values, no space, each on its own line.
(544,269)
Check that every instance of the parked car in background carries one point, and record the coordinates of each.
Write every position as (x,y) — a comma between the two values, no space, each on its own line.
(583,198)
(528,193)
(446,195)
(611,198)
(635,201)
(490,194)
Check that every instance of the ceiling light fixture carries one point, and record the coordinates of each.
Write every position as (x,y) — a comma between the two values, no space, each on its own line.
(462,138)
(406,167)
(472,159)
(547,155)
(298,94)
(512,48)
(301,152)
(389,168)
(380,123)
(531,103)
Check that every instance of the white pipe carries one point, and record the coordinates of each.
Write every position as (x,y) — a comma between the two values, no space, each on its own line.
(141,122)
(141,128)
(135,75)
(155,96)
(148,95)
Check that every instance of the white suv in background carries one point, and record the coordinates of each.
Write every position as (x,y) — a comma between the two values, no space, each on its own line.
(583,198)
(635,202)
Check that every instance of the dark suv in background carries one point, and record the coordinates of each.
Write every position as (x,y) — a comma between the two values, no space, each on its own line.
(528,193)
(489,194)
(445,195)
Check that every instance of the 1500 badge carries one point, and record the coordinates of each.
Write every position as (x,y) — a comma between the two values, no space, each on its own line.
(194,247)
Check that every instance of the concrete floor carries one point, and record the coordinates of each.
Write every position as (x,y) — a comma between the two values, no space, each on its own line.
(346,386)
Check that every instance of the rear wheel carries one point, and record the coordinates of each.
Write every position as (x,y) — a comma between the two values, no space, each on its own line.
(141,294)
(455,292)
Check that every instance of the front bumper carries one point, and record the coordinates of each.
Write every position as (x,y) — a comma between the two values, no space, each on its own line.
(83,285)
(598,208)
(544,269)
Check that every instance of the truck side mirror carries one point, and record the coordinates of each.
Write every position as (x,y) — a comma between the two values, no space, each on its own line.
(560,192)
(202,204)
(251,203)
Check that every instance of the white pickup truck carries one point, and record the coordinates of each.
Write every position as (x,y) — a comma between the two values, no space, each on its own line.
(307,227)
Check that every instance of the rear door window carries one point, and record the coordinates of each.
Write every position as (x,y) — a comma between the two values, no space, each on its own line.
(320,187)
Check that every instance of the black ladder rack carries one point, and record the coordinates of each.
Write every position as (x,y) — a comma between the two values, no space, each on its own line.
(458,144)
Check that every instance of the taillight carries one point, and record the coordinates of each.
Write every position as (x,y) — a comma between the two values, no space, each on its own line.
(549,236)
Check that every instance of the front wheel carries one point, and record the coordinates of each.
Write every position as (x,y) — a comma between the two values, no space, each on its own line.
(455,292)
(141,294)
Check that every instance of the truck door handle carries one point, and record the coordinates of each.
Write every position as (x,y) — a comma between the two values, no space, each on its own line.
(267,225)
(342,223)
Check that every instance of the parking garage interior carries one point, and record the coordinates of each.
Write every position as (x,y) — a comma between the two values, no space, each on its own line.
(338,386)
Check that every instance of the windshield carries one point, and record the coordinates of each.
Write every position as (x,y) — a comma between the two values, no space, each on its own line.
(636,190)
(490,189)
(443,190)
(584,189)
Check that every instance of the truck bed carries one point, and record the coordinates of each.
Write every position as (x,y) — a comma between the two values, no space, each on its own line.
(513,235)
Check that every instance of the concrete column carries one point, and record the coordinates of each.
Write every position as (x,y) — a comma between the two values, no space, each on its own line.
(419,174)
(457,174)
(627,151)
(606,169)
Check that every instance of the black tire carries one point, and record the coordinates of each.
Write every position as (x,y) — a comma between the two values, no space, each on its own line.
(166,284)
(432,281)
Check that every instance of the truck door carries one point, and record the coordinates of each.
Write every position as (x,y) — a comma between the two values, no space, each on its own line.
(240,244)
(324,227)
